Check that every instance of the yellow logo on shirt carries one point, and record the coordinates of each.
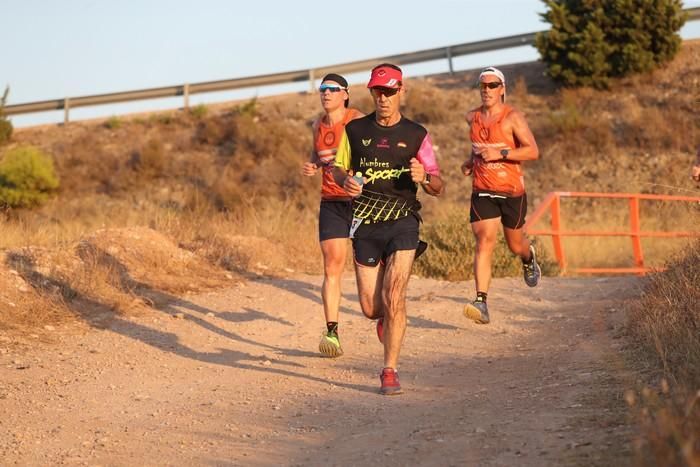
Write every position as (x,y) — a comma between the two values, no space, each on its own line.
(373,175)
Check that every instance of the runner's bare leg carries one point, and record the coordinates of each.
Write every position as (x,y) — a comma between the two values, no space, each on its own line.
(334,251)
(517,242)
(369,289)
(398,271)
(486,233)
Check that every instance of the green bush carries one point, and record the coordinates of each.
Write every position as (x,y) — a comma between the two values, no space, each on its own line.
(27,177)
(5,124)
(592,41)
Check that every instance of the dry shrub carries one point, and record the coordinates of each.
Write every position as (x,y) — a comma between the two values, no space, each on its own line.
(658,131)
(243,254)
(111,271)
(519,89)
(89,164)
(23,307)
(429,105)
(146,258)
(213,131)
(578,124)
(150,161)
(268,236)
(665,327)
(666,319)
(451,248)
(670,423)
(228,191)
(568,117)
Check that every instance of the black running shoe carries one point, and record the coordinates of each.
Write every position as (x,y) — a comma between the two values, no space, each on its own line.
(531,270)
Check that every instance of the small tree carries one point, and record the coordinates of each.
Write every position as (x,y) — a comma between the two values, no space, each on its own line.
(591,41)
(27,177)
(5,124)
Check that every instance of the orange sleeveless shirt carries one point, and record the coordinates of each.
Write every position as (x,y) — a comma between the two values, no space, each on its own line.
(326,141)
(498,177)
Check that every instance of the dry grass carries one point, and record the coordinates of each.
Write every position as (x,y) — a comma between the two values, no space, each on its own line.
(597,214)
(665,325)
(451,252)
(667,317)
(113,271)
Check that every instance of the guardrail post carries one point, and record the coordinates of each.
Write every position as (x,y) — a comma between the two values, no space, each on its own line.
(311,81)
(635,228)
(66,110)
(556,238)
(449,60)
(186,94)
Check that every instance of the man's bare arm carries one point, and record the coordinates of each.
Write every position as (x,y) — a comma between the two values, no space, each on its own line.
(528,150)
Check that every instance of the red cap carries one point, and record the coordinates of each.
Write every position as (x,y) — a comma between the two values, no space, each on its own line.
(385,76)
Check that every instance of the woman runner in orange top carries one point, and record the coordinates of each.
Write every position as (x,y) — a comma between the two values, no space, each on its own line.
(501,140)
(335,214)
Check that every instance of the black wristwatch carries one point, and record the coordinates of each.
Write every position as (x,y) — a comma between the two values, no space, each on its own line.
(426,179)
(504,154)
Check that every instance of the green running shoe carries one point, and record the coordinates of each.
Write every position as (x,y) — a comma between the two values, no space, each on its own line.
(330,345)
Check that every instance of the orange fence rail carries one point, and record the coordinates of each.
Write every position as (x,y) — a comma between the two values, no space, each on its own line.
(552,203)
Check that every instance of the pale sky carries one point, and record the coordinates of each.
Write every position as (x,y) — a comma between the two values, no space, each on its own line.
(81,47)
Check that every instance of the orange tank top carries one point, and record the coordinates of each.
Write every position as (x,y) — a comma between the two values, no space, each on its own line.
(498,177)
(326,141)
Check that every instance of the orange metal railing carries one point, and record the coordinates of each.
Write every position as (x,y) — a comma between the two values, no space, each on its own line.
(552,203)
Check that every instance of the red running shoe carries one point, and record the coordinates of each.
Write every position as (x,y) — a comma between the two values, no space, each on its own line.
(380,329)
(390,382)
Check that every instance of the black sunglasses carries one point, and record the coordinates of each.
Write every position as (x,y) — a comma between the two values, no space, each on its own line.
(388,92)
(492,85)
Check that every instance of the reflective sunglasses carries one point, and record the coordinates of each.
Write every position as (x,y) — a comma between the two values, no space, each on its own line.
(330,87)
(388,92)
(492,85)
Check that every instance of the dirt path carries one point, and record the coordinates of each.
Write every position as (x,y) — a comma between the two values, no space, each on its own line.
(234,378)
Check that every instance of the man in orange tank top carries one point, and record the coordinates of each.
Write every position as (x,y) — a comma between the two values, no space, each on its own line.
(501,140)
(335,213)
(695,171)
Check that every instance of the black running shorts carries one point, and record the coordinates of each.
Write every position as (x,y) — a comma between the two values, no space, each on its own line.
(334,218)
(511,210)
(373,243)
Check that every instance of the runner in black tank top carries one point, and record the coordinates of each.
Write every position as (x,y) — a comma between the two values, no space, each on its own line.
(389,155)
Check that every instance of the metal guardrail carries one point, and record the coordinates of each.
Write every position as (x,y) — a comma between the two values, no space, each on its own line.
(186,90)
